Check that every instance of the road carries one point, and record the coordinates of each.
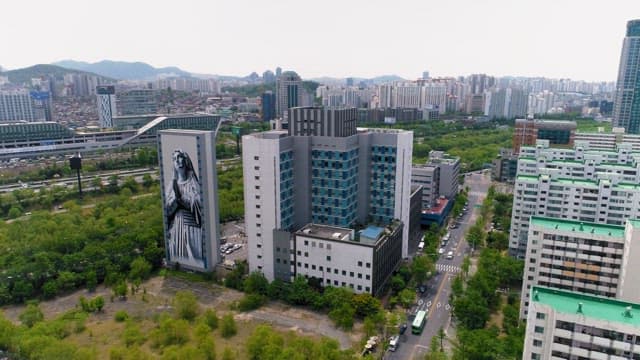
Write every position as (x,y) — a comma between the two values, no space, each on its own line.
(436,298)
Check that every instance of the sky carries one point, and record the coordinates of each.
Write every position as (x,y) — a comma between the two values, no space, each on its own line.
(577,39)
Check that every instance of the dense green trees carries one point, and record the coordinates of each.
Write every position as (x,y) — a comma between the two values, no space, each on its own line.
(49,254)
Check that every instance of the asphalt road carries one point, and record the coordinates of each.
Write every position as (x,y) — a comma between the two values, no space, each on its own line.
(436,298)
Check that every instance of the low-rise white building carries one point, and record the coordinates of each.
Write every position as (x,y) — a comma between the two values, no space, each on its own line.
(340,257)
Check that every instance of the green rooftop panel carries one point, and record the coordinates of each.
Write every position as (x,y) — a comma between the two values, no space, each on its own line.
(595,307)
(578,226)
(530,178)
(577,182)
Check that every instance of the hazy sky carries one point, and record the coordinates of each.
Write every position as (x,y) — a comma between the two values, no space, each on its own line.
(578,39)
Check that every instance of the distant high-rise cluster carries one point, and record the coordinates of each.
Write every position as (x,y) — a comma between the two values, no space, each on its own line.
(25,105)
(289,92)
(626,109)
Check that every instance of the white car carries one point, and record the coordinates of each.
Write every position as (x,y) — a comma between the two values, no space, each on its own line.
(450,255)
(441,251)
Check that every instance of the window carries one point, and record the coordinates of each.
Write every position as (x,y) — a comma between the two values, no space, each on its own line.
(306,266)
(539,329)
(313,244)
(259,246)
(328,246)
(360,263)
(344,272)
(359,287)
(258,216)
(540,316)
(367,289)
(368,277)
(313,267)
(359,276)
(351,274)
(257,187)
(328,257)
(259,256)
(320,268)
(257,206)
(535,356)
(256,168)
(328,269)
(306,243)
(299,253)
(256,158)
(258,225)
(368,265)
(537,343)
(335,271)
(258,197)
(258,234)
(306,254)
(257,177)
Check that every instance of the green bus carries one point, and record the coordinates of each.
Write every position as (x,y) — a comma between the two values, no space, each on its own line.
(418,322)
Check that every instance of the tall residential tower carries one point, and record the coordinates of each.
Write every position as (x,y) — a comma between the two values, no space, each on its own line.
(626,109)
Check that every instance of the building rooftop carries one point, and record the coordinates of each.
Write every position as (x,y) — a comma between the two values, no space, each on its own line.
(579,182)
(326,232)
(371,233)
(578,226)
(595,307)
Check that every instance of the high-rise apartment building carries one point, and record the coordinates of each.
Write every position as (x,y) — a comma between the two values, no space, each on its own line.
(568,325)
(590,258)
(268,106)
(576,184)
(137,102)
(323,171)
(449,172)
(626,108)
(106,97)
(289,92)
(24,105)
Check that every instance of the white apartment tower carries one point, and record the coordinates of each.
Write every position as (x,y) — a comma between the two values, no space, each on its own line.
(585,257)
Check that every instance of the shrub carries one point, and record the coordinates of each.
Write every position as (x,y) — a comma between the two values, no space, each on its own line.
(121,316)
(228,326)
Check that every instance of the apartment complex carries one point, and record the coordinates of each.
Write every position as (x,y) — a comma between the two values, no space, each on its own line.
(137,102)
(576,184)
(586,257)
(608,140)
(344,177)
(569,325)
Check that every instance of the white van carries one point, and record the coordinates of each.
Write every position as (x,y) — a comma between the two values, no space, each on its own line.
(394,343)
(421,246)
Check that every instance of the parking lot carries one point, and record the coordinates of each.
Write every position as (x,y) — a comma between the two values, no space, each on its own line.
(234,236)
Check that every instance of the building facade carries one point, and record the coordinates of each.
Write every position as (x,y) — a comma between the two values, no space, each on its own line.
(626,107)
(579,256)
(528,131)
(189,184)
(449,172)
(576,184)
(568,325)
(106,96)
(338,179)
(341,257)
(428,177)
(137,102)
(268,105)
(289,92)
(24,105)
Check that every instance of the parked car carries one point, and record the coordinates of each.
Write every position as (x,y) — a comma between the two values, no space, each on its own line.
(450,255)
(402,328)
(441,251)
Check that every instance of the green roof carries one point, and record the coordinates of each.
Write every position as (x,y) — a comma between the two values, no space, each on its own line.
(567,161)
(634,222)
(580,182)
(581,226)
(532,178)
(628,186)
(595,307)
(615,164)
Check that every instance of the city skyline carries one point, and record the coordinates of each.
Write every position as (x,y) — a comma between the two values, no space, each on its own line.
(570,39)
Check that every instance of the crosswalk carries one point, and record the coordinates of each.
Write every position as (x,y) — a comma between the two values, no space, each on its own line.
(448,268)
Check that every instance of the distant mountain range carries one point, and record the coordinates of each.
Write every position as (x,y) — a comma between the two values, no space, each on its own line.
(123,70)
(24,75)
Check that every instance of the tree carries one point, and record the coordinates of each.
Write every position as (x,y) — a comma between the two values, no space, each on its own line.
(256,283)
(186,305)
(140,269)
(343,315)
(228,326)
(147,180)
(211,319)
(31,315)
(366,305)
(466,264)
(421,267)
(91,279)
(407,297)
(397,283)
